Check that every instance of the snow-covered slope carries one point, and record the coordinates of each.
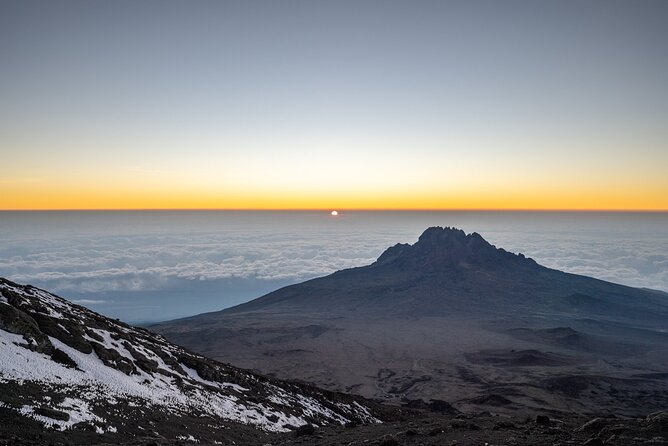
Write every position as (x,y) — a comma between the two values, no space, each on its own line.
(68,367)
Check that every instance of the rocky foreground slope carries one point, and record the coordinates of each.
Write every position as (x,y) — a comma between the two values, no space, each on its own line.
(69,376)
(66,368)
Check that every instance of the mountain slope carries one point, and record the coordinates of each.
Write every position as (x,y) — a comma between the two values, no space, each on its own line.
(451,317)
(70,368)
(447,271)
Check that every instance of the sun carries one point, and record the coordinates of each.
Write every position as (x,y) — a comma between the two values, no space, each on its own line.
(334,213)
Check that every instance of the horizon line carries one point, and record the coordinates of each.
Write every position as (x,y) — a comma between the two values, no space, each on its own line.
(610,210)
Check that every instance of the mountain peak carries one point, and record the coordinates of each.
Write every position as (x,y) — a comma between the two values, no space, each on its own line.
(440,247)
(446,235)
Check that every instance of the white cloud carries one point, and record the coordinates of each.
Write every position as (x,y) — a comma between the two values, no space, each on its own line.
(141,261)
(89,301)
(630,260)
(112,264)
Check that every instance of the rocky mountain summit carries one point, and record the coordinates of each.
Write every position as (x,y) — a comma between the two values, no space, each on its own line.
(65,367)
(438,249)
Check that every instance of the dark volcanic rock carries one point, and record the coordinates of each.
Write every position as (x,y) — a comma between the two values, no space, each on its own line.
(542,420)
(306,429)
(442,407)
(492,400)
(52,413)
(594,425)
(389,440)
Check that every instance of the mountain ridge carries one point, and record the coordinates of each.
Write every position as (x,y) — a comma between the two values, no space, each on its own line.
(452,271)
(447,247)
(74,370)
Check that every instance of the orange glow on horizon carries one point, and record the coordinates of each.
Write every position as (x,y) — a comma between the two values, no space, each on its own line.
(38,197)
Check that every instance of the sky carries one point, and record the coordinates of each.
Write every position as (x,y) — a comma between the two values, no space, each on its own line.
(334,105)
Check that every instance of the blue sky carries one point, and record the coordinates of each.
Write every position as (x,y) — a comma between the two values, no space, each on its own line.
(441,104)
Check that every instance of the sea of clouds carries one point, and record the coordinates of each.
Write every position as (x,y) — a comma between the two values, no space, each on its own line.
(155,267)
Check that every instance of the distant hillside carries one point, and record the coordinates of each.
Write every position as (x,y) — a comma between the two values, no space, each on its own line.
(448,271)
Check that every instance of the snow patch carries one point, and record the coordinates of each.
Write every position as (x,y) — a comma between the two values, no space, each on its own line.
(20,365)
(93,382)
(78,410)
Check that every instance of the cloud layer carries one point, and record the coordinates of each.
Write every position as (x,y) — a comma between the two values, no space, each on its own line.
(94,265)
